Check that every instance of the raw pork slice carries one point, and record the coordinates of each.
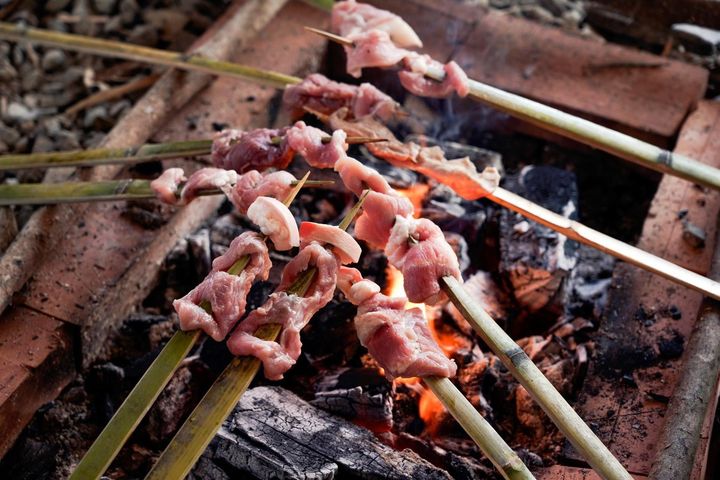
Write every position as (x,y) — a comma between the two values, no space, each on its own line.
(308,142)
(424,263)
(208,179)
(358,177)
(342,243)
(372,48)
(253,150)
(351,17)
(224,292)
(254,184)
(290,311)
(378,217)
(415,82)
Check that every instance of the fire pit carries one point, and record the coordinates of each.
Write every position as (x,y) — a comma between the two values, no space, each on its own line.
(607,336)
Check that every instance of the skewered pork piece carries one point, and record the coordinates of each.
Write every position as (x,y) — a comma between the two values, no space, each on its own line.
(351,17)
(343,245)
(206,179)
(307,141)
(226,293)
(424,261)
(167,185)
(253,150)
(321,94)
(254,184)
(291,311)
(398,339)
(379,211)
(377,45)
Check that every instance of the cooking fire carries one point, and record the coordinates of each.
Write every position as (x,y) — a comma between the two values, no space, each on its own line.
(391,265)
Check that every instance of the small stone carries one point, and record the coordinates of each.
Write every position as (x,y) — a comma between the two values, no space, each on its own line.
(119,108)
(97,118)
(66,140)
(4,147)
(53,59)
(693,235)
(128,10)
(7,71)
(43,144)
(18,55)
(105,7)
(8,135)
(556,7)
(18,112)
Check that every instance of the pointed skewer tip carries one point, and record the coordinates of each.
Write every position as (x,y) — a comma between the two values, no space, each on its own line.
(331,36)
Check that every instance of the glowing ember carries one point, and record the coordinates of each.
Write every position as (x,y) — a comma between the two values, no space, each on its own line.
(416,194)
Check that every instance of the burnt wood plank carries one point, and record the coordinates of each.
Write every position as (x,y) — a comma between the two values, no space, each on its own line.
(272,433)
(647,319)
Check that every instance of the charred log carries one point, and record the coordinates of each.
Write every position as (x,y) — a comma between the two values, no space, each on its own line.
(274,434)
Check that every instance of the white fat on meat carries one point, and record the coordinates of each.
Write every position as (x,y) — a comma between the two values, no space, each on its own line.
(254,184)
(398,339)
(275,220)
(340,242)
(226,293)
(207,179)
(351,17)
(307,141)
(424,263)
(378,217)
(292,312)
(167,184)
(357,177)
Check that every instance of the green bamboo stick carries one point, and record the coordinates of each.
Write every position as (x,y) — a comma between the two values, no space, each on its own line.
(198,430)
(100,156)
(136,405)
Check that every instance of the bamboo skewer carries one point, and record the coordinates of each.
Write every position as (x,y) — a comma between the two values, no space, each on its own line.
(107,445)
(142,153)
(99,191)
(539,387)
(576,128)
(198,430)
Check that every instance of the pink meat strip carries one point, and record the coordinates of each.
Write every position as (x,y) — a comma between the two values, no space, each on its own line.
(317,92)
(206,179)
(290,311)
(307,141)
(253,150)
(415,82)
(378,217)
(372,48)
(358,177)
(254,184)
(167,184)
(398,339)
(424,263)
(276,221)
(226,293)
(352,17)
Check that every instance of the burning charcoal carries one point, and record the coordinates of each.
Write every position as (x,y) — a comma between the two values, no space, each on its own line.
(273,433)
(453,214)
(335,320)
(470,378)
(397,177)
(362,395)
(535,259)
(589,282)
(460,247)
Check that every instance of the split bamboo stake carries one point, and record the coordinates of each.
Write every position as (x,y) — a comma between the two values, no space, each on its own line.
(198,430)
(583,131)
(539,387)
(142,153)
(576,128)
(99,191)
(107,445)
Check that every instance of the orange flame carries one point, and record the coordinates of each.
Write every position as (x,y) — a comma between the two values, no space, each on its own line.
(416,194)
